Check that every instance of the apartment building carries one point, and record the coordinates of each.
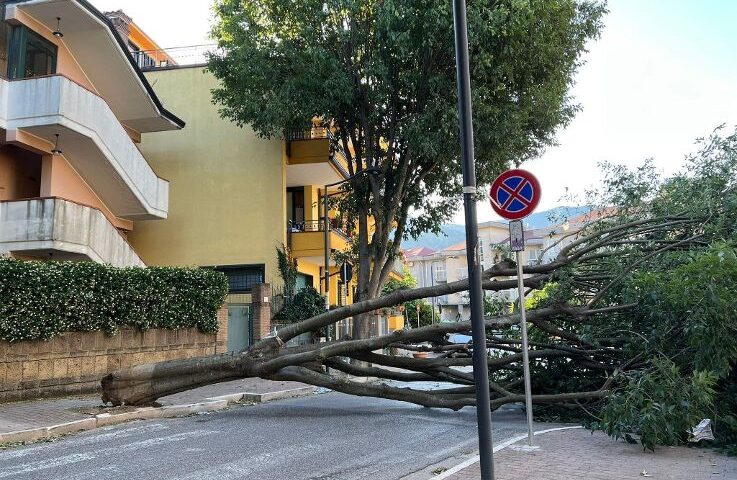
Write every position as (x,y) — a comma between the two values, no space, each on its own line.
(432,267)
(74,106)
(234,198)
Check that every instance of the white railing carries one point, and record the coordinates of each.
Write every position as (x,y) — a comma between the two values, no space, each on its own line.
(173,57)
(73,230)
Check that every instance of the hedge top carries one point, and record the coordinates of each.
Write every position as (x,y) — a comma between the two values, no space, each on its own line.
(39,300)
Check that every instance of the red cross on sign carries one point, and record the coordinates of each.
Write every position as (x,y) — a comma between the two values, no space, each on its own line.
(515,194)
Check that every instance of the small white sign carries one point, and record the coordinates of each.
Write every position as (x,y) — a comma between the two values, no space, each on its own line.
(516,236)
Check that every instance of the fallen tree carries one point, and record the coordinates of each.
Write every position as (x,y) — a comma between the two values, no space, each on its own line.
(634,314)
(269,358)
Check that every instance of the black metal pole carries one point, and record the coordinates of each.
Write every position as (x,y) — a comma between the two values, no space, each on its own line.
(326,229)
(480,362)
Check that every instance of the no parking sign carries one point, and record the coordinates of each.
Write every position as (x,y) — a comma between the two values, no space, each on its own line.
(515,194)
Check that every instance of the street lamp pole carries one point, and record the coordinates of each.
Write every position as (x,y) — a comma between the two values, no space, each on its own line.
(480,361)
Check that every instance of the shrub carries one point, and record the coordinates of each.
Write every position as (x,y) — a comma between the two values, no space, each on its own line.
(306,303)
(659,404)
(39,300)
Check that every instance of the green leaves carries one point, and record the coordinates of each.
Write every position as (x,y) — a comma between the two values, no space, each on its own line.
(382,73)
(306,303)
(659,404)
(676,349)
(688,312)
(41,300)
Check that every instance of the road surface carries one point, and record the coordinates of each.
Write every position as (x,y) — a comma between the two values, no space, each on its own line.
(327,436)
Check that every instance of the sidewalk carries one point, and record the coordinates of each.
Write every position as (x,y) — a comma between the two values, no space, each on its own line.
(577,454)
(37,419)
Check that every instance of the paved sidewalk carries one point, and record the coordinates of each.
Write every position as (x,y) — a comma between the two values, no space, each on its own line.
(32,414)
(577,454)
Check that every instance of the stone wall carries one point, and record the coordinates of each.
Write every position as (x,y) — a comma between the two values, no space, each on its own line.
(75,362)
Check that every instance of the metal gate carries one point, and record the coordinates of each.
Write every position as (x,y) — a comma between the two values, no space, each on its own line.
(240,327)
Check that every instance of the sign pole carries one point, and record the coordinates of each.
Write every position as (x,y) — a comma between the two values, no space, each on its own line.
(517,245)
(525,349)
(476,293)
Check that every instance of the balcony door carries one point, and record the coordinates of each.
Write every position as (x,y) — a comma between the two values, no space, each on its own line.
(296,207)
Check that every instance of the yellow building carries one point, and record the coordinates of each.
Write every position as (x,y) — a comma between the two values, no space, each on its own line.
(234,197)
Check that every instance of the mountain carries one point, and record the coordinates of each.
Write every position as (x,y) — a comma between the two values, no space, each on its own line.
(553,216)
(453,233)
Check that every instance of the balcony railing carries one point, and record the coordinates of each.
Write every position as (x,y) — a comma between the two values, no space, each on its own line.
(337,155)
(173,57)
(92,138)
(311,134)
(316,226)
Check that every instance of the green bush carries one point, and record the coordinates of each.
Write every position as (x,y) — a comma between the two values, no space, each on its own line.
(306,303)
(659,404)
(39,300)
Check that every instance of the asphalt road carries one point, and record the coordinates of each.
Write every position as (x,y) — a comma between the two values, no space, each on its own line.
(328,436)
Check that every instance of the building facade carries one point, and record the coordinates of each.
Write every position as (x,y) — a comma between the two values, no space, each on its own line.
(431,267)
(74,106)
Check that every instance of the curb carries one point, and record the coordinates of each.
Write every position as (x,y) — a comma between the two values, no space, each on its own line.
(213,404)
(497,448)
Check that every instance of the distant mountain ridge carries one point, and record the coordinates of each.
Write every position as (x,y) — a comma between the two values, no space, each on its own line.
(455,233)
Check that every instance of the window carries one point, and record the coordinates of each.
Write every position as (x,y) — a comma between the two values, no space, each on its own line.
(242,278)
(462,273)
(30,55)
(4,46)
(533,256)
(296,205)
(439,269)
(304,281)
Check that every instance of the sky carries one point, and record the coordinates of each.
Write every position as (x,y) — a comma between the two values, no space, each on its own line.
(663,73)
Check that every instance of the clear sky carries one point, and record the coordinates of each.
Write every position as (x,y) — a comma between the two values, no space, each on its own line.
(663,74)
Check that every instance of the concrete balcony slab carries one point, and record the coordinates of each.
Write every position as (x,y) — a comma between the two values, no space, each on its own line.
(54,228)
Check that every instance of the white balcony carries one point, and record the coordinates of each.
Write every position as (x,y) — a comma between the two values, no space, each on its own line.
(93,141)
(58,229)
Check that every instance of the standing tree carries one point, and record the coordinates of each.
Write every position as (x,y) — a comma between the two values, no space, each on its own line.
(380,75)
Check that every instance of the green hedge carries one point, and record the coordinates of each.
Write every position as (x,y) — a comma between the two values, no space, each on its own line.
(39,300)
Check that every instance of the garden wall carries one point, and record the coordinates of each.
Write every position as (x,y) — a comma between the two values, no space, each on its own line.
(74,362)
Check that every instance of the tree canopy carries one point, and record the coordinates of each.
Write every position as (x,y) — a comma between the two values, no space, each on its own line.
(380,75)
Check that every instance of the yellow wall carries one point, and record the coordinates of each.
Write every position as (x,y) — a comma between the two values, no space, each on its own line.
(309,267)
(227,186)
(396,322)
(309,151)
(312,203)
